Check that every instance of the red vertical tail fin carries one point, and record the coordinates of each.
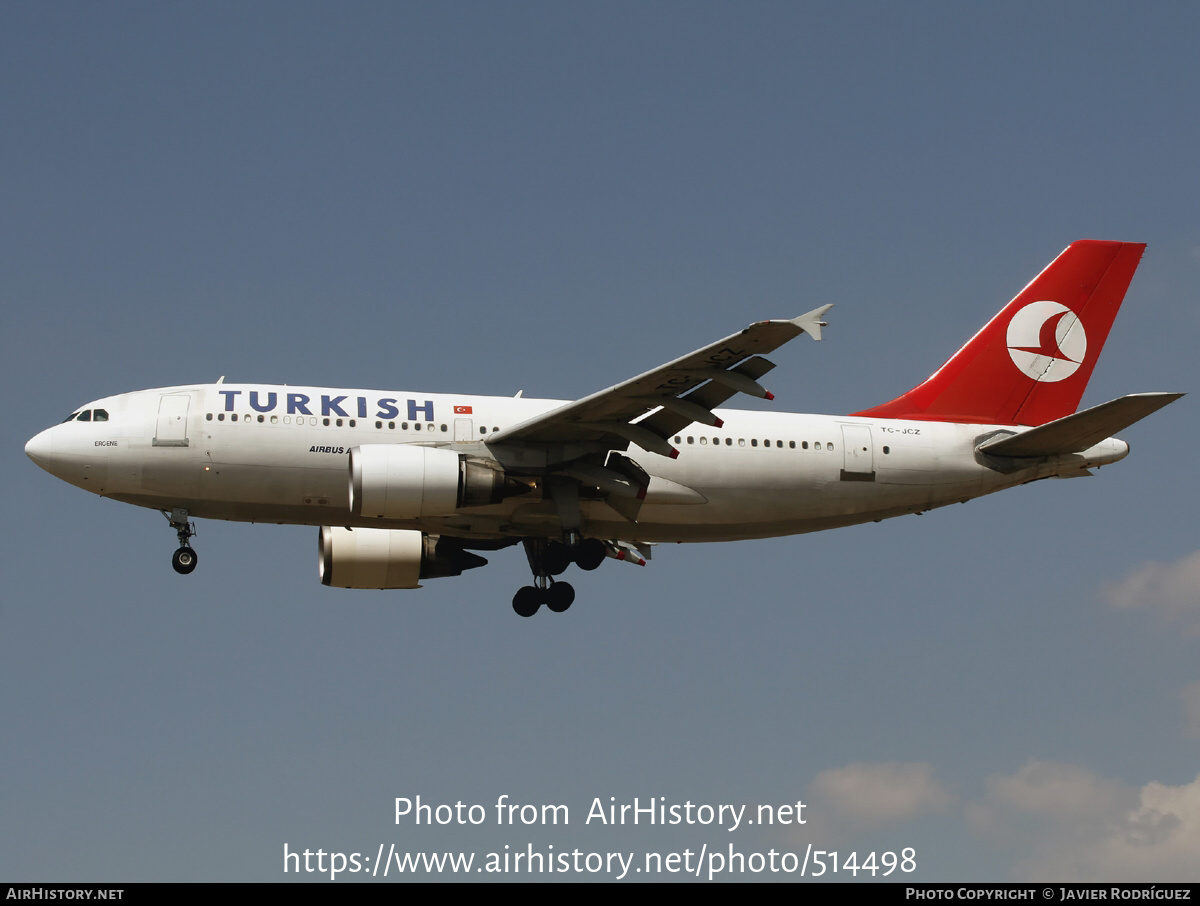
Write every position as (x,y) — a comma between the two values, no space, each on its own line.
(1031,362)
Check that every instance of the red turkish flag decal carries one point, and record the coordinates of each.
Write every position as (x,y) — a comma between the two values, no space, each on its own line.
(462,410)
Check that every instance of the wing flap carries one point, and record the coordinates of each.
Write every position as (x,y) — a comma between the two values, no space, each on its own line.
(707,396)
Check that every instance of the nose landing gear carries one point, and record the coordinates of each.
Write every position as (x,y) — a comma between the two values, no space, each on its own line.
(183,561)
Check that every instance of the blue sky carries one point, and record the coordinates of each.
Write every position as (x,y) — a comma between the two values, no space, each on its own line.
(488,198)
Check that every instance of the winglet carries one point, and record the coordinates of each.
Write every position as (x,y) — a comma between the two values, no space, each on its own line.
(811,322)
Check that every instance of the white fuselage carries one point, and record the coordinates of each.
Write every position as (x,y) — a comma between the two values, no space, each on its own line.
(263,453)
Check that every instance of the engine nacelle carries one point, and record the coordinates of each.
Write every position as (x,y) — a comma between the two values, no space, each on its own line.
(388,558)
(408,481)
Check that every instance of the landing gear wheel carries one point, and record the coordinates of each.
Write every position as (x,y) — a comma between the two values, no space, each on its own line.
(183,560)
(556,558)
(559,596)
(590,553)
(527,600)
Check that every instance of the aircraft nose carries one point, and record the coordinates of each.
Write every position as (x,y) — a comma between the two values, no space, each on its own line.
(41,448)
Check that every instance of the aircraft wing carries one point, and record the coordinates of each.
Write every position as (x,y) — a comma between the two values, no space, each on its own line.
(680,393)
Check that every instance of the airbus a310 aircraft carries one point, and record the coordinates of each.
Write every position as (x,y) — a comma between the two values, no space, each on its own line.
(405,486)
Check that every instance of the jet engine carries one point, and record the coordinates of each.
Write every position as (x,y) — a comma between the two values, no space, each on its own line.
(408,481)
(389,558)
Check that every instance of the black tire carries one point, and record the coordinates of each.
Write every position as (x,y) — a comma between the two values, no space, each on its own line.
(556,558)
(183,560)
(560,596)
(590,553)
(527,600)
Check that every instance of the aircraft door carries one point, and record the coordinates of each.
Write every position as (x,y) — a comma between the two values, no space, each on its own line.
(464,430)
(859,464)
(171,428)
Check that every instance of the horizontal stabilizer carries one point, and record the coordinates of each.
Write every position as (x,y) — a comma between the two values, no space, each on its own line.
(1076,433)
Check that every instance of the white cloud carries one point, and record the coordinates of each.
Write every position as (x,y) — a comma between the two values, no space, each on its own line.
(1089,828)
(1059,791)
(1159,840)
(873,794)
(1173,589)
(1055,822)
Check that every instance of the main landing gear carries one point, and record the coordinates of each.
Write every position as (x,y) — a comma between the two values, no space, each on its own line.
(558,596)
(586,554)
(551,558)
(183,561)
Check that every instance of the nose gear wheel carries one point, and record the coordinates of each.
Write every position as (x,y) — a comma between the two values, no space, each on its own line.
(183,561)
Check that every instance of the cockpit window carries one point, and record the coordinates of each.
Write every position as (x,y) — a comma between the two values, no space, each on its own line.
(100,415)
(69,417)
(84,416)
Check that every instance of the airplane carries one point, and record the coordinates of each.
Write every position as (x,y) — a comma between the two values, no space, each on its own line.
(408,486)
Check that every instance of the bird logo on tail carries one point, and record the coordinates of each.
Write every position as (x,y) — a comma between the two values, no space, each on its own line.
(1046,341)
